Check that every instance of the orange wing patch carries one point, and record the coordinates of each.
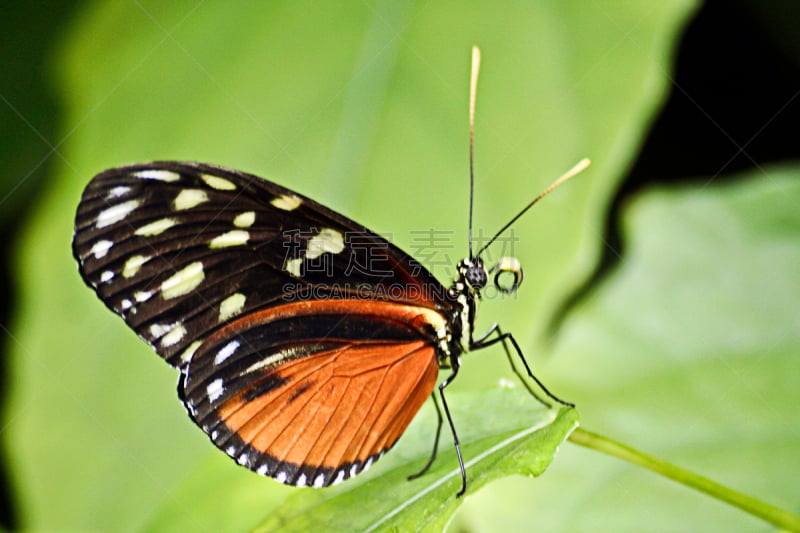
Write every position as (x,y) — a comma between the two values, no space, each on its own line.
(329,415)
(312,393)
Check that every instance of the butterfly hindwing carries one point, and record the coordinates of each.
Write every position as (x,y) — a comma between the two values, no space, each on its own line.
(180,249)
(312,394)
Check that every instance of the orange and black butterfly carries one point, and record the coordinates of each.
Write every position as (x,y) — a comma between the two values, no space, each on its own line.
(305,342)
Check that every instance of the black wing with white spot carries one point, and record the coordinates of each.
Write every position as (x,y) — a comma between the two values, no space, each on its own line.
(179,250)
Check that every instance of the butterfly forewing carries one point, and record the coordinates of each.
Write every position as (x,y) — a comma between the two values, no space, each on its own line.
(178,249)
(306,342)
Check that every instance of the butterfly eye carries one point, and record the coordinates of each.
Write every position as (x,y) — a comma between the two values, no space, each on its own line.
(507,266)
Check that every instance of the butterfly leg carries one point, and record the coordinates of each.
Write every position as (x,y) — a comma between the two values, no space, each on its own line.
(435,442)
(504,339)
(455,365)
(480,343)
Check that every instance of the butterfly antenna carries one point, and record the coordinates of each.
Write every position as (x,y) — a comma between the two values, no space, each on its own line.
(473,90)
(577,169)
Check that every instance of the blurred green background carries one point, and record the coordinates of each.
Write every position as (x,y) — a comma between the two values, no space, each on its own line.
(661,288)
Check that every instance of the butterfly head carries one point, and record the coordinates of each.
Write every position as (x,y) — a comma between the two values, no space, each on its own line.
(473,273)
(507,274)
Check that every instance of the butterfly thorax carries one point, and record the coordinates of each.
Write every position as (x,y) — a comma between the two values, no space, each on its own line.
(465,294)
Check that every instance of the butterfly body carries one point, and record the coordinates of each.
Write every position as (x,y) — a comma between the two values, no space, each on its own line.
(305,342)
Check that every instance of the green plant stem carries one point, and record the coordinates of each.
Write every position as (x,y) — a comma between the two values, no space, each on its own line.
(774,515)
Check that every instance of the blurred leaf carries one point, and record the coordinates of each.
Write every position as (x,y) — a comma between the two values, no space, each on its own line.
(29,117)
(691,352)
(285,90)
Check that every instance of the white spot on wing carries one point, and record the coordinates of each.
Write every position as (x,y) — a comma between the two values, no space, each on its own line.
(189,352)
(226,351)
(184,281)
(106,276)
(215,182)
(116,192)
(282,355)
(156,228)
(319,481)
(327,240)
(155,174)
(189,198)
(293,266)
(176,333)
(354,469)
(157,330)
(367,465)
(243,459)
(142,296)
(282,477)
(287,202)
(235,237)
(214,391)
(116,213)
(133,265)
(125,304)
(263,470)
(339,478)
(263,363)
(301,481)
(245,220)
(232,305)
(101,248)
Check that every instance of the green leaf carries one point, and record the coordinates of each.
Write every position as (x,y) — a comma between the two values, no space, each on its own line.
(364,108)
(689,352)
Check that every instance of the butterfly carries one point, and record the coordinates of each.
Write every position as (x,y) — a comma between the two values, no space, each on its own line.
(305,342)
